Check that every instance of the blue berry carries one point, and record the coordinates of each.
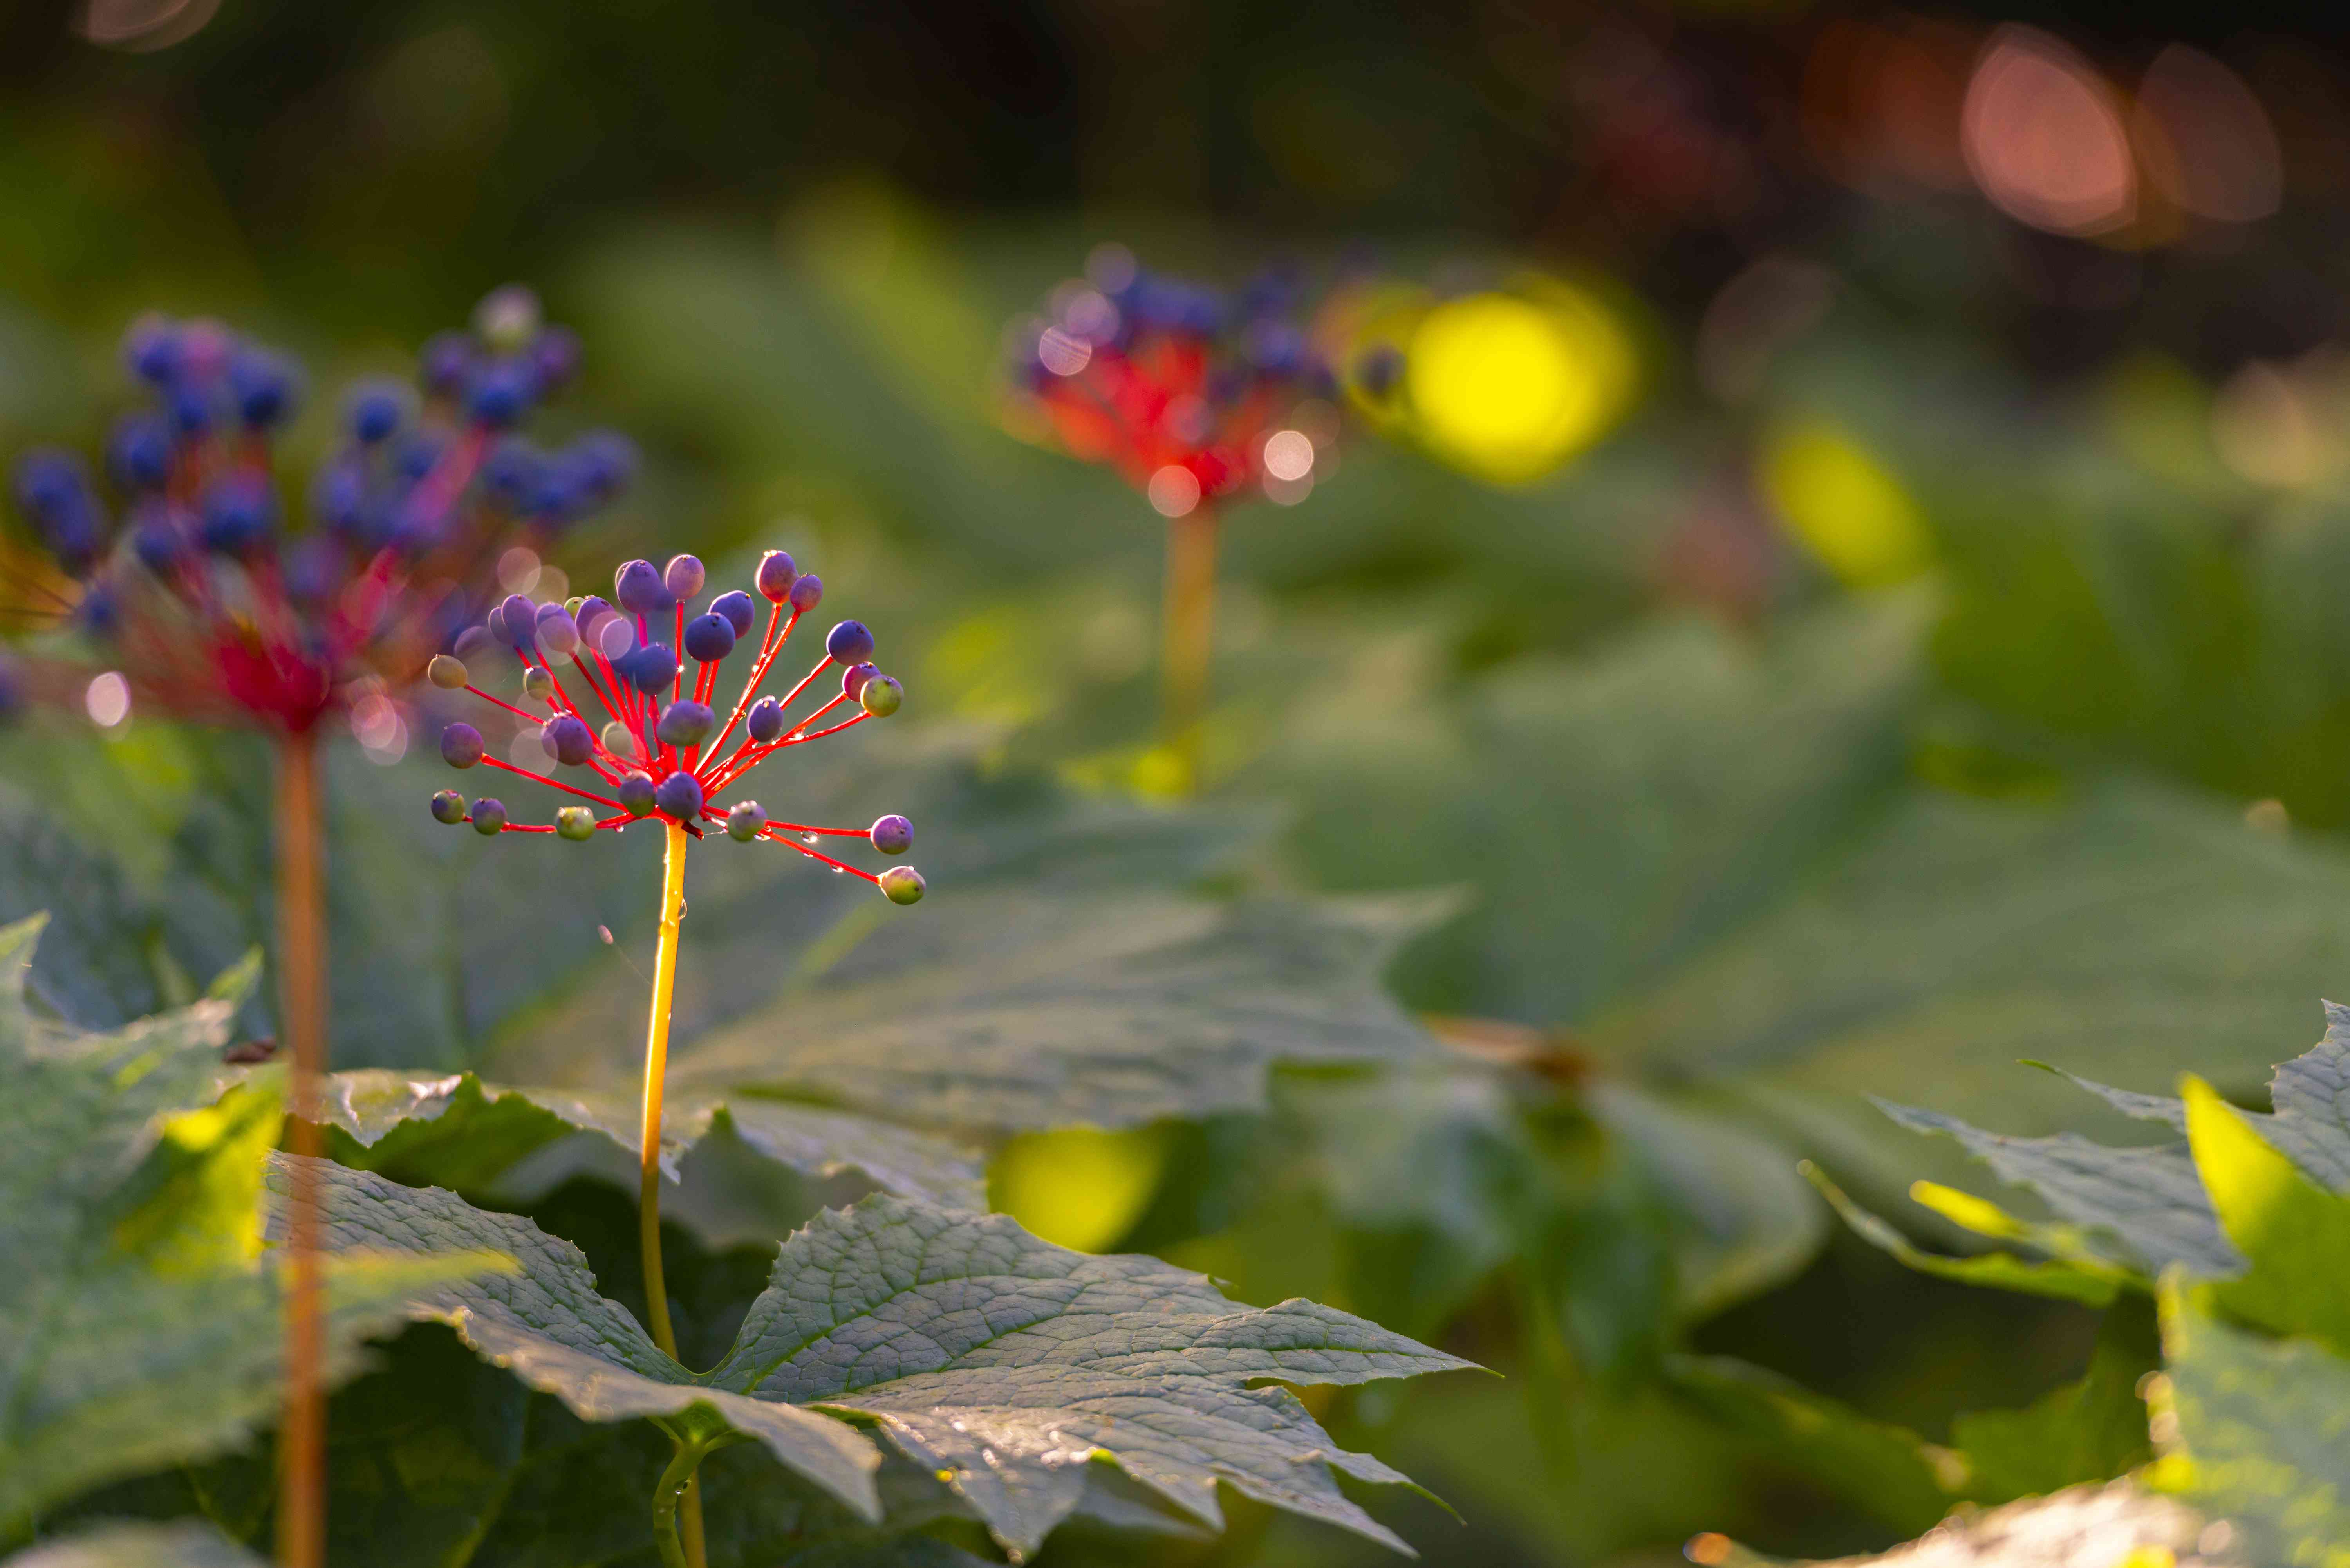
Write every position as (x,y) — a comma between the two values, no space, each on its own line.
(849,643)
(555,357)
(683,577)
(709,638)
(902,885)
(746,822)
(685,724)
(653,669)
(490,816)
(140,455)
(776,575)
(159,545)
(636,794)
(339,496)
(765,720)
(737,610)
(374,411)
(461,745)
(680,796)
(263,385)
(98,611)
(576,823)
(607,461)
(639,587)
(239,514)
(567,741)
(806,592)
(48,483)
(191,410)
(153,350)
(882,695)
(449,806)
(447,360)
(892,835)
(522,622)
(498,393)
(853,679)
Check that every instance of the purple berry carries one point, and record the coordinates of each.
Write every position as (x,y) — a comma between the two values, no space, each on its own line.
(558,634)
(746,822)
(709,638)
(522,622)
(638,586)
(635,795)
(568,740)
(374,412)
(489,816)
(736,608)
(680,796)
(685,724)
(461,745)
(653,667)
(448,806)
(807,592)
(892,835)
(853,679)
(765,720)
(849,643)
(683,577)
(776,575)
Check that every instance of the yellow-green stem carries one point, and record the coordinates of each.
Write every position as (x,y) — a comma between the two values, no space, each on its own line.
(648,1168)
(1188,638)
(302,1011)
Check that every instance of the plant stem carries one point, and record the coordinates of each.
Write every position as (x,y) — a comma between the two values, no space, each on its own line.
(1187,635)
(678,1483)
(649,1171)
(302,1011)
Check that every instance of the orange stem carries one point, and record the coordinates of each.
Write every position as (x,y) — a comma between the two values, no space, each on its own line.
(302,1009)
(1188,639)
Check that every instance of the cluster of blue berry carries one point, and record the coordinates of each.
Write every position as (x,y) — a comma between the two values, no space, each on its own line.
(1177,385)
(211,609)
(660,748)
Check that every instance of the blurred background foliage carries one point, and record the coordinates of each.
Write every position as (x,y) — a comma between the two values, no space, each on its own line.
(1847,599)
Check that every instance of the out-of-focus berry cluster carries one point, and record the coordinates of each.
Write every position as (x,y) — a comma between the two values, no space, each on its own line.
(1195,395)
(192,587)
(650,666)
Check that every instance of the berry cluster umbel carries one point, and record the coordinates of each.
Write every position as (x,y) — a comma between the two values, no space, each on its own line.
(653,740)
(211,607)
(1160,376)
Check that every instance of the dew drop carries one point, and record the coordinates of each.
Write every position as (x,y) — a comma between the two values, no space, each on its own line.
(839,870)
(808,838)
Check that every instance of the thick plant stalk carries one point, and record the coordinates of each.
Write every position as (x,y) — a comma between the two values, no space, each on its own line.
(1188,638)
(302,1009)
(648,1169)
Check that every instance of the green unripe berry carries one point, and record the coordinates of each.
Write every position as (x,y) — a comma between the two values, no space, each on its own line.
(574,604)
(619,740)
(746,822)
(538,683)
(902,885)
(880,698)
(448,672)
(576,823)
(448,806)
